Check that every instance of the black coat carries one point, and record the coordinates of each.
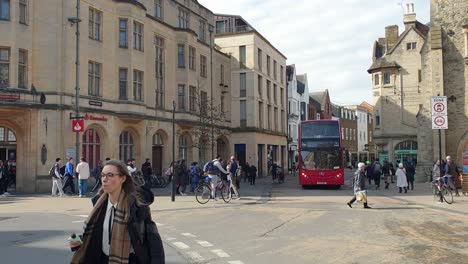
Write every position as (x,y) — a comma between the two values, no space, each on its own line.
(143,232)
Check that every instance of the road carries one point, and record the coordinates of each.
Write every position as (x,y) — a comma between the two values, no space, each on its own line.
(272,223)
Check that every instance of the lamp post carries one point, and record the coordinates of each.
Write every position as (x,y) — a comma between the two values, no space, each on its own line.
(210,29)
(173,151)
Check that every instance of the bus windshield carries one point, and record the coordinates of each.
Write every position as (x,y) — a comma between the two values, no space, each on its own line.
(320,130)
(320,158)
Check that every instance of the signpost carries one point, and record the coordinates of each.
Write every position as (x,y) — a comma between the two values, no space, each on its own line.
(439,120)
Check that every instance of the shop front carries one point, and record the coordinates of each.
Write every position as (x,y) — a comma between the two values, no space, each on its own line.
(406,151)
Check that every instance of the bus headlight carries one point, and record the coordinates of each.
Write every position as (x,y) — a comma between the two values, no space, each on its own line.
(338,175)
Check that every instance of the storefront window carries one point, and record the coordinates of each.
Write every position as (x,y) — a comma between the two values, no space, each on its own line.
(126,149)
(91,148)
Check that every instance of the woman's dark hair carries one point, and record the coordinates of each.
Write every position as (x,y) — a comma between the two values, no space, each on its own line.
(58,159)
(83,159)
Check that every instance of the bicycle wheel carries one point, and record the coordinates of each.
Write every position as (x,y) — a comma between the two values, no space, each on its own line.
(234,195)
(435,192)
(163,182)
(226,194)
(203,194)
(448,196)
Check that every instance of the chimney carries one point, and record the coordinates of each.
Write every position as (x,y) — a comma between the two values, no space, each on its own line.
(409,18)
(391,35)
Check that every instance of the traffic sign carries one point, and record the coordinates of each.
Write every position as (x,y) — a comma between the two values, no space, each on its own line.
(439,122)
(439,105)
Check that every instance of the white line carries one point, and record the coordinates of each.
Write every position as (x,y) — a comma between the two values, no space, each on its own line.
(188,235)
(195,256)
(204,243)
(170,238)
(181,245)
(79,221)
(220,253)
(235,262)
(159,224)
(85,216)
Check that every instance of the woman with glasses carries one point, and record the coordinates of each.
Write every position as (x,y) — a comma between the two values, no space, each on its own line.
(119,229)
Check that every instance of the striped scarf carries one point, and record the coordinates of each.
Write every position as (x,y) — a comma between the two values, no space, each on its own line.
(120,240)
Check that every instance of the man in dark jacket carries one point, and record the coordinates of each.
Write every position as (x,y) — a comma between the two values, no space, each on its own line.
(376,172)
(146,170)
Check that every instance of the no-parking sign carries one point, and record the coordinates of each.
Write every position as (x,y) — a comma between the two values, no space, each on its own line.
(439,112)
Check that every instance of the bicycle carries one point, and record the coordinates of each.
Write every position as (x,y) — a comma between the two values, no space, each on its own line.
(138,178)
(203,191)
(157,181)
(441,189)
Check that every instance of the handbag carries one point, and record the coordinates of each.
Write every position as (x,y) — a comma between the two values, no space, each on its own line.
(361,196)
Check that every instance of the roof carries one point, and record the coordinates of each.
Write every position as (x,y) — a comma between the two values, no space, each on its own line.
(382,63)
(420,28)
(300,87)
(318,96)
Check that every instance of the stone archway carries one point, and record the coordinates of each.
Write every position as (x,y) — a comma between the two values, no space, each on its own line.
(222,147)
(462,153)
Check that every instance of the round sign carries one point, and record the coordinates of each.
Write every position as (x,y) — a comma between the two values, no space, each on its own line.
(439,107)
(439,121)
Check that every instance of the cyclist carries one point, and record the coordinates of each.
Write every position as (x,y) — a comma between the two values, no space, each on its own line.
(452,172)
(437,179)
(214,169)
(232,168)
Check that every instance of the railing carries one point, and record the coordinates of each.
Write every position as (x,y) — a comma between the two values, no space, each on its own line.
(222,30)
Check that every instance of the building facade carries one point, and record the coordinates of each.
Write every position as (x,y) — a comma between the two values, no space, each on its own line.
(137,58)
(348,132)
(259,102)
(319,106)
(397,88)
(294,113)
(445,72)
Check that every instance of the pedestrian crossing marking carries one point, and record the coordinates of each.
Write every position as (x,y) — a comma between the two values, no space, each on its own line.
(220,253)
(195,256)
(181,245)
(204,243)
(188,235)
(170,238)
(235,262)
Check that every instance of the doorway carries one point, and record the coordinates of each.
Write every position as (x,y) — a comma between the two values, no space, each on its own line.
(239,150)
(8,153)
(157,160)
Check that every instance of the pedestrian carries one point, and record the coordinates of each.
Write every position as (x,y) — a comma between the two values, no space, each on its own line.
(147,171)
(402,180)
(274,171)
(359,184)
(214,170)
(453,174)
(386,173)
(437,181)
(4,178)
(83,174)
(253,172)
(377,172)
(232,168)
(368,170)
(293,169)
(96,173)
(246,168)
(239,172)
(69,177)
(194,176)
(131,166)
(169,172)
(410,172)
(392,171)
(182,177)
(120,228)
(56,178)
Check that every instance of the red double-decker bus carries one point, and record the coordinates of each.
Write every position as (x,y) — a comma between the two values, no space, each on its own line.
(320,153)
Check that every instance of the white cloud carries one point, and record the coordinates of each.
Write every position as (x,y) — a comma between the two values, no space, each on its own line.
(329,40)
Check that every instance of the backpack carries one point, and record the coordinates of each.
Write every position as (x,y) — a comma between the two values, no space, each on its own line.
(377,167)
(52,172)
(209,167)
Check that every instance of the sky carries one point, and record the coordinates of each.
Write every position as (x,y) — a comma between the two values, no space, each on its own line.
(329,40)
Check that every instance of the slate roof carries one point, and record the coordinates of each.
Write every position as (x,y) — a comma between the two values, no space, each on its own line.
(382,63)
(318,96)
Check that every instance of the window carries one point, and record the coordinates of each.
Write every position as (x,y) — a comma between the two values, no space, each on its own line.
(123,33)
(260,85)
(377,119)
(181,55)
(222,73)
(192,58)
(259,58)
(91,147)
(158,9)
(221,27)
(419,76)
(243,113)
(158,139)
(222,106)
(281,97)
(123,73)
(181,96)
(184,18)
(282,74)
(202,30)
(159,61)
(275,69)
(411,45)
(242,56)
(376,79)
(4,67)
(370,136)
(138,36)
(4,9)
(126,146)
(192,98)
(23,11)
(260,115)
(275,118)
(183,147)
(203,66)
(275,94)
(268,90)
(387,78)
(203,102)
(94,78)
(342,133)
(268,65)
(269,117)
(22,69)
(137,85)
(282,121)
(95,21)
(243,85)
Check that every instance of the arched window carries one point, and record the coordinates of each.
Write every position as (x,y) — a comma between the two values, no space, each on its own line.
(126,146)
(407,145)
(157,140)
(183,147)
(91,148)
(7,136)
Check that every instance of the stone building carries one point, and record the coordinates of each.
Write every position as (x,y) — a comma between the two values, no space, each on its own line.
(397,88)
(319,105)
(371,147)
(258,71)
(445,72)
(137,58)
(348,132)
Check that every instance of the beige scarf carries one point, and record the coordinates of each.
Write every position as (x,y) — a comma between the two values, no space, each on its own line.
(120,241)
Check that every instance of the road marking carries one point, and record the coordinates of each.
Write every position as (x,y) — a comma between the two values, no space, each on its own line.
(235,262)
(188,235)
(195,256)
(170,238)
(204,243)
(220,253)
(85,216)
(181,245)
(79,221)
(159,224)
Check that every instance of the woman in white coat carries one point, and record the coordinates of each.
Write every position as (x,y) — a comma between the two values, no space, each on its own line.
(402,182)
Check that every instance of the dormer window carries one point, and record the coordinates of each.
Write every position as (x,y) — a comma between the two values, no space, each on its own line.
(386,78)
(411,46)
(377,79)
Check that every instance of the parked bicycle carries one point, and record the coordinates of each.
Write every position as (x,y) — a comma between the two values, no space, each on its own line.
(203,191)
(138,178)
(441,189)
(158,181)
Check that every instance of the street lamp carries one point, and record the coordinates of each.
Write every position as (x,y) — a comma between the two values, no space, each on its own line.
(210,29)
(173,151)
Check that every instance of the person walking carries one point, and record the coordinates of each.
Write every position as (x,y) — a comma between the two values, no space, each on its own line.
(386,173)
(4,178)
(246,168)
(181,177)
(253,171)
(410,172)
(359,184)
(232,168)
(274,171)
(131,166)
(83,174)
(56,178)
(69,177)
(147,171)
(120,228)
(437,181)
(392,171)
(376,172)
(368,170)
(194,176)
(96,173)
(402,179)
(453,174)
